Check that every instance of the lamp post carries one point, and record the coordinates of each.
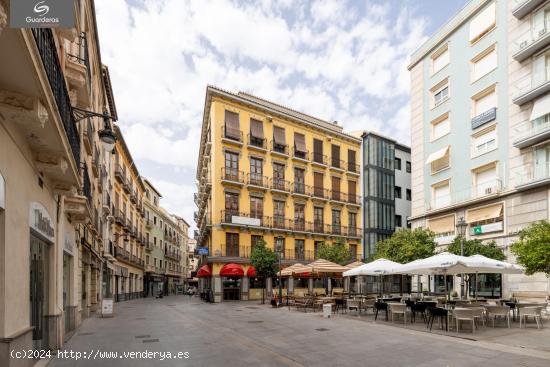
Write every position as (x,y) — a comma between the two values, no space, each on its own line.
(106,135)
(461,227)
(279,251)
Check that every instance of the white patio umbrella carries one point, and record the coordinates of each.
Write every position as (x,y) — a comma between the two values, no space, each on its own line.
(377,267)
(483,264)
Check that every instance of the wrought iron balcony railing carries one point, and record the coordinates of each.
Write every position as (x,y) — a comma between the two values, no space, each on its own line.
(233,175)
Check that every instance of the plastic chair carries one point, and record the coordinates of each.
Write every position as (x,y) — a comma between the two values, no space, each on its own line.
(464,314)
(398,309)
(535,312)
(498,311)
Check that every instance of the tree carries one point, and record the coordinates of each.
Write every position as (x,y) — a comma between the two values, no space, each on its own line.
(477,247)
(533,248)
(337,252)
(264,261)
(406,245)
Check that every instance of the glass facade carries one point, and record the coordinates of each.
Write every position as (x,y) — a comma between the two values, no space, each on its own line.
(379,191)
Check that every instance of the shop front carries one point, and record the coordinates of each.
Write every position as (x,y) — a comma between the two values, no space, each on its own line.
(232,280)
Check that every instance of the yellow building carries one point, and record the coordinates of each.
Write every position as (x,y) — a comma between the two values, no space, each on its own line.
(128,224)
(278,174)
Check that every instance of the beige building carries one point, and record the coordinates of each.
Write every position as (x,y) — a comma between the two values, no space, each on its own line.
(480,132)
(53,181)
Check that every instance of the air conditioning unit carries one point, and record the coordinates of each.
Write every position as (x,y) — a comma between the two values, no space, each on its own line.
(488,191)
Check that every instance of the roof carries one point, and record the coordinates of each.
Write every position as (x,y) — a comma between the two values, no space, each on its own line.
(151,186)
(109,92)
(446,30)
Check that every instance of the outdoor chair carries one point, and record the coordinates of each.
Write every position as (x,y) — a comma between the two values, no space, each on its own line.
(398,309)
(368,304)
(441,314)
(339,303)
(498,311)
(464,314)
(535,312)
(380,306)
(353,304)
(419,308)
(479,313)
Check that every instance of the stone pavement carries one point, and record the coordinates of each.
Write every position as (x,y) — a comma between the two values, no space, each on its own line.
(249,334)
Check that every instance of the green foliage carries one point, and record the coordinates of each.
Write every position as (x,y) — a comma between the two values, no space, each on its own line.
(406,245)
(533,248)
(476,247)
(264,260)
(337,252)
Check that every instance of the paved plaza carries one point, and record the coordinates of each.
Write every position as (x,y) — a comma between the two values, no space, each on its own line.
(249,334)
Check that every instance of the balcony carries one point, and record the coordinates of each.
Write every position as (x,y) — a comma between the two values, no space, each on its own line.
(521,8)
(531,41)
(532,86)
(353,232)
(232,176)
(47,50)
(338,196)
(300,189)
(279,222)
(337,164)
(148,224)
(318,227)
(120,217)
(148,245)
(298,255)
(119,174)
(133,196)
(320,193)
(126,186)
(236,218)
(257,181)
(354,168)
(95,163)
(484,118)
(230,139)
(529,133)
(335,229)
(531,176)
(300,156)
(300,225)
(88,135)
(228,250)
(279,185)
(353,200)
(259,144)
(279,149)
(486,190)
(319,159)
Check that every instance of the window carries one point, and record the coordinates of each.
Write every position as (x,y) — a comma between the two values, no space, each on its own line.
(409,195)
(484,101)
(299,250)
(398,221)
(231,244)
(299,181)
(398,163)
(440,59)
(353,251)
(318,219)
(484,63)
(439,160)
(231,166)
(232,128)
(280,245)
(397,192)
(256,207)
(483,22)
(256,172)
(300,146)
(318,151)
(441,194)
(254,239)
(316,246)
(335,158)
(279,213)
(256,133)
(231,206)
(352,224)
(485,180)
(279,140)
(485,141)
(440,127)
(408,166)
(299,217)
(336,221)
(440,92)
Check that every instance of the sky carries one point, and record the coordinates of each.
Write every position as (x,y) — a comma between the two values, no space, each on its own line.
(339,60)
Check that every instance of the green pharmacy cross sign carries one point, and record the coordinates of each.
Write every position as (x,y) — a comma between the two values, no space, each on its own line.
(478,230)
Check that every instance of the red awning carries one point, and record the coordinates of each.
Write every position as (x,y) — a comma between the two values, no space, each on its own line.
(204,271)
(232,270)
(251,272)
(306,274)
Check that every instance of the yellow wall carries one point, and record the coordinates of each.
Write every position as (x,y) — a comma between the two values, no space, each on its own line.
(217,118)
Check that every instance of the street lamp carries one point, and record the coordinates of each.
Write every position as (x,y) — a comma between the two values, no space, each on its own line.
(461,227)
(279,251)
(106,135)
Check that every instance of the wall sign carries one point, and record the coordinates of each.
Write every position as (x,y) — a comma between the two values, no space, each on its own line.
(41,222)
(202,250)
(487,228)
(245,221)
(2,193)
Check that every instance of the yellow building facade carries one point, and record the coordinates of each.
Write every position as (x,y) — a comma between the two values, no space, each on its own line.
(269,172)
(128,224)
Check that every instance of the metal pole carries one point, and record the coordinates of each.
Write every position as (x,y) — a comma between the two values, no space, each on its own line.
(280,283)
(462,295)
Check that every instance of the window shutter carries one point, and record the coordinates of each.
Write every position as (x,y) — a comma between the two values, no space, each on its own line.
(335,152)
(256,129)
(318,180)
(300,142)
(351,156)
(335,183)
(279,135)
(484,21)
(232,128)
(351,189)
(317,146)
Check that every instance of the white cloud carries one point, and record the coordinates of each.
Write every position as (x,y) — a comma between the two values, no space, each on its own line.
(338,60)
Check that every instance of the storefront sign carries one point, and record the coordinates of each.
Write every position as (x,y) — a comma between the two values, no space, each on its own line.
(41,222)
(107,307)
(202,251)
(2,193)
(487,228)
(245,221)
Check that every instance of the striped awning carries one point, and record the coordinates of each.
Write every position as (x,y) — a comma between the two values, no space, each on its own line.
(355,264)
(288,271)
(321,266)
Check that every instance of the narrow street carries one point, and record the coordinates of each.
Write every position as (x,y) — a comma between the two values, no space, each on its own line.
(246,333)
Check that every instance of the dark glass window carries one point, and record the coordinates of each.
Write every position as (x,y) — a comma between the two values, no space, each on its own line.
(398,163)
(299,249)
(409,194)
(398,221)
(397,192)
(408,166)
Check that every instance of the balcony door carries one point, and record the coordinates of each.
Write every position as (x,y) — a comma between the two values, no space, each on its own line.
(299,181)
(299,217)
(256,171)
(256,207)
(231,206)
(232,244)
(279,214)
(231,165)
(542,162)
(318,220)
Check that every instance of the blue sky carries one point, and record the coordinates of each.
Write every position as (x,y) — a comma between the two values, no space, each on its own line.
(337,60)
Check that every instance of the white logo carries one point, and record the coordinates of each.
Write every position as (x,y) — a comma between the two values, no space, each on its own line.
(41,9)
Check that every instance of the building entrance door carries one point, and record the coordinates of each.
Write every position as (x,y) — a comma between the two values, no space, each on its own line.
(39,292)
(66,290)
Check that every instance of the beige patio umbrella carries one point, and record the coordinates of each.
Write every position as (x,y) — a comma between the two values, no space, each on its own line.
(355,264)
(289,270)
(321,266)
